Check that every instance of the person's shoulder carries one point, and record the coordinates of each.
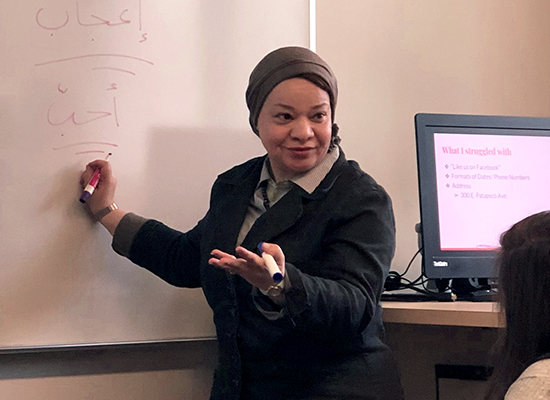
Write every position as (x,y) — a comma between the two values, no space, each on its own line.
(351,190)
(355,170)
(540,368)
(244,170)
(534,382)
(350,173)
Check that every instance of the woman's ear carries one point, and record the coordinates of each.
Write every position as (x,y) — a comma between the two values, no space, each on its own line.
(334,139)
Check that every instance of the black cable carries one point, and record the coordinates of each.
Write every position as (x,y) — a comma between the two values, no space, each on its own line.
(394,281)
(410,262)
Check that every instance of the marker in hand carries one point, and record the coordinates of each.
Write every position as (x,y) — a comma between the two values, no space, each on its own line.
(90,187)
(271,265)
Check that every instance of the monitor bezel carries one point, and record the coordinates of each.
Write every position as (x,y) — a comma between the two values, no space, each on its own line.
(461,264)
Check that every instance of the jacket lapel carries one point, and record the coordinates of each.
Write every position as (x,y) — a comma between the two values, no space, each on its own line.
(287,211)
(232,205)
(282,216)
(276,220)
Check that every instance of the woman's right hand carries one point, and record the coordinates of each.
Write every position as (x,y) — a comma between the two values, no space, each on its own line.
(104,193)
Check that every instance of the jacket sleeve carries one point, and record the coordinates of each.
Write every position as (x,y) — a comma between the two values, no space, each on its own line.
(336,293)
(172,255)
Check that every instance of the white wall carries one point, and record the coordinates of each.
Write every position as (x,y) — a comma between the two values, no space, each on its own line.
(395,58)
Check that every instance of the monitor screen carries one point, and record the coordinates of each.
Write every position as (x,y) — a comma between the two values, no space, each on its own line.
(477,175)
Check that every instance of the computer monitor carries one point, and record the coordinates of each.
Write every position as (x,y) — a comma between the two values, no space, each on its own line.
(477,176)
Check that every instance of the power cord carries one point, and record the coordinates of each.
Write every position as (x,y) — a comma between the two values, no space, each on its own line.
(396,281)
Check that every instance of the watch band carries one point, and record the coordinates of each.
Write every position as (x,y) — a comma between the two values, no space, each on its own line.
(274,290)
(105,211)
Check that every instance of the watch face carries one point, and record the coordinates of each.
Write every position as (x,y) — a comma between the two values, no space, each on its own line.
(274,291)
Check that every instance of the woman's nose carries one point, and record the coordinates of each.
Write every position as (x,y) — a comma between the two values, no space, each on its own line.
(302,129)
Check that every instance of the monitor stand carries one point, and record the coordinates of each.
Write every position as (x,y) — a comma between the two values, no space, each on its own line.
(479,295)
(465,290)
(478,289)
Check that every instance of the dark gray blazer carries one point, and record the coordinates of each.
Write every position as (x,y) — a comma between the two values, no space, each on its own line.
(338,244)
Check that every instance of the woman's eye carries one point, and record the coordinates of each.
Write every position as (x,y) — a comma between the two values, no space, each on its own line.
(320,115)
(284,116)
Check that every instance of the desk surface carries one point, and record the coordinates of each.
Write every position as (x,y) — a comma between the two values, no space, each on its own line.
(458,313)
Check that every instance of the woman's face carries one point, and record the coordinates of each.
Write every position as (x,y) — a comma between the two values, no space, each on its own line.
(295,127)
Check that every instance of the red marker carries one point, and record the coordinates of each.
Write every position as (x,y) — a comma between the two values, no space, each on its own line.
(90,187)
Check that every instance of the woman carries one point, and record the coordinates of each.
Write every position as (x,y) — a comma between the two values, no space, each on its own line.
(522,369)
(318,333)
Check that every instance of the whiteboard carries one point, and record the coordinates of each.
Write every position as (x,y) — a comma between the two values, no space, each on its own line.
(160,84)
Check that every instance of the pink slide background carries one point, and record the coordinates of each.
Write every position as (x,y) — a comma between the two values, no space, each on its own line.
(486,183)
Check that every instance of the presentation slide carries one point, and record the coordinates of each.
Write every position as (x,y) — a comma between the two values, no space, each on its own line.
(486,183)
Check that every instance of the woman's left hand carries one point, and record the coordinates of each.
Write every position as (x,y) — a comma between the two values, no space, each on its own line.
(249,265)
